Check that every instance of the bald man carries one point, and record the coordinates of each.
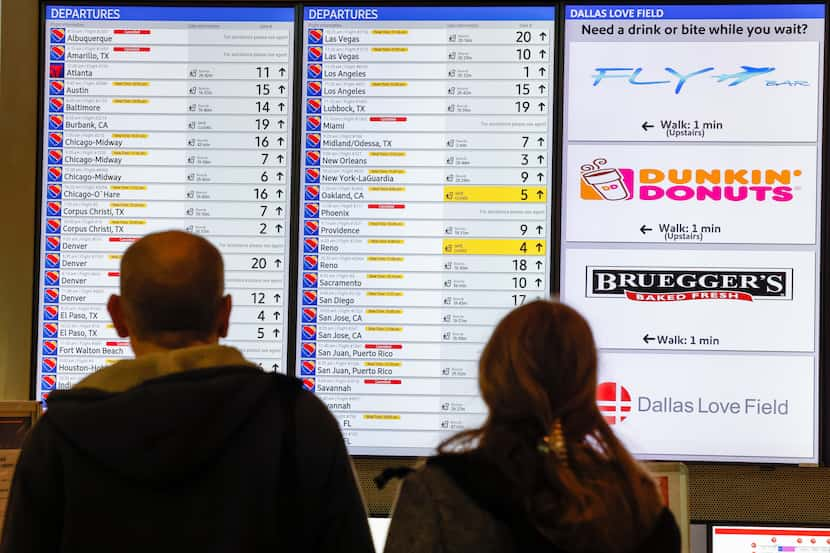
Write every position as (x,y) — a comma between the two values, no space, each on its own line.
(188,447)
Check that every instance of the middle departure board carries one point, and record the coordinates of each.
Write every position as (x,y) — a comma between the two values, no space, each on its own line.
(425,208)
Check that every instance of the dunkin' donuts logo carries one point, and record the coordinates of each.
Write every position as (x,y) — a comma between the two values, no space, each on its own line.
(676,284)
(598,181)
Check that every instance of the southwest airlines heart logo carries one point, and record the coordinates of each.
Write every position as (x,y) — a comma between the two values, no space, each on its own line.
(54,192)
(56,88)
(312,211)
(308,350)
(314,105)
(309,297)
(315,70)
(312,123)
(55,157)
(50,313)
(312,157)
(315,88)
(49,365)
(53,261)
(309,315)
(53,226)
(312,228)
(53,243)
(310,245)
(308,384)
(54,174)
(56,122)
(309,262)
(50,347)
(48,382)
(53,209)
(312,192)
(56,104)
(309,332)
(312,140)
(308,368)
(315,53)
(57,36)
(52,278)
(50,295)
(312,175)
(56,53)
(55,139)
(315,36)
(309,280)
(50,330)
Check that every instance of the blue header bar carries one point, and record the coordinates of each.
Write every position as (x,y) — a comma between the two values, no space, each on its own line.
(172,13)
(716,11)
(443,13)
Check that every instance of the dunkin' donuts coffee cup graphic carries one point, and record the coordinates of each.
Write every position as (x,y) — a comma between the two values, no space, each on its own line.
(599,182)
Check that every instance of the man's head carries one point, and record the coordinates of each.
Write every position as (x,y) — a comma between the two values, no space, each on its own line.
(172,293)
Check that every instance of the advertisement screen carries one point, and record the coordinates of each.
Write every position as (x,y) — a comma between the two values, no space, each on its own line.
(425,208)
(690,222)
(158,118)
(769,539)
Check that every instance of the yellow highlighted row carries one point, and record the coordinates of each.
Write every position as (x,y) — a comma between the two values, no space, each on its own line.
(130,101)
(390,49)
(529,194)
(128,222)
(474,246)
(371,417)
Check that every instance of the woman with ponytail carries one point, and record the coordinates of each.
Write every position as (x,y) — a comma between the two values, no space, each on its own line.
(545,472)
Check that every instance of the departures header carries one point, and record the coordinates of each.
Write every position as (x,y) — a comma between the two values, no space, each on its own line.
(455,13)
(167,13)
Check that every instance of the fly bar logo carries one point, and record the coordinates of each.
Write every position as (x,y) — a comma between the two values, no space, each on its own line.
(678,284)
(614,402)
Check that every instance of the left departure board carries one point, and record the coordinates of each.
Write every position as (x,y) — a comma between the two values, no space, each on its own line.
(158,118)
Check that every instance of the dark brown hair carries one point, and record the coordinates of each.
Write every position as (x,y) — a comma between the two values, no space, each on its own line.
(540,365)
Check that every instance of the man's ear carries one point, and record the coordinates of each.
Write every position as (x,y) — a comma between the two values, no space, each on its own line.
(223,321)
(116,311)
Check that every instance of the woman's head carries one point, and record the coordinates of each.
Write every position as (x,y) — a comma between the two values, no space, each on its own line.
(540,364)
(538,377)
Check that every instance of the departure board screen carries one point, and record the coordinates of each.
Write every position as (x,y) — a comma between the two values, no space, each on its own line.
(158,118)
(691,222)
(425,208)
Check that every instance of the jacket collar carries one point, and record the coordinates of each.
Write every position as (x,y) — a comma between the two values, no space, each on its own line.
(126,374)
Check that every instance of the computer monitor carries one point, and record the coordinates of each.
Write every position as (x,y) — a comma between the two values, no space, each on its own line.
(768,538)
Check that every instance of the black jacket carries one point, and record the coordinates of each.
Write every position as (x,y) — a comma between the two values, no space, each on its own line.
(200,461)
